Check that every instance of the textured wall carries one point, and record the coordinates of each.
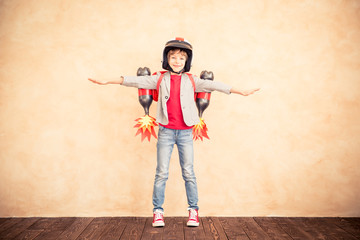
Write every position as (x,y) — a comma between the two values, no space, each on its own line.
(68,146)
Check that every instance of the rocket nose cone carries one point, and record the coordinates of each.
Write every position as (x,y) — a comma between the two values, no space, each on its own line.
(207,75)
(143,71)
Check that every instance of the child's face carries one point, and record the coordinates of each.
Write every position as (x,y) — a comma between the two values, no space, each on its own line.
(177,61)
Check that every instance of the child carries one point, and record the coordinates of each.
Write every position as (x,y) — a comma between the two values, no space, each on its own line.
(176,115)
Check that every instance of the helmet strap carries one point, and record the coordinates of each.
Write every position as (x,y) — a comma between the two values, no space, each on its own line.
(180,72)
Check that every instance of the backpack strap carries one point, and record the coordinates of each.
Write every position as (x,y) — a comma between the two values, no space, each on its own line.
(156,94)
(159,81)
(192,80)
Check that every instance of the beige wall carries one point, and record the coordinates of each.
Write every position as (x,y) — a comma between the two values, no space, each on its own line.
(68,146)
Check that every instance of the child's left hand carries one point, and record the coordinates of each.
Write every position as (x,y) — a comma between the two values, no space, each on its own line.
(244,92)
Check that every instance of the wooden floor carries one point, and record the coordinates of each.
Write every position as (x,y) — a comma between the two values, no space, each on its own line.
(210,228)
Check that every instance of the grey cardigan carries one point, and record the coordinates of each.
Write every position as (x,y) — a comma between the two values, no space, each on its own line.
(188,104)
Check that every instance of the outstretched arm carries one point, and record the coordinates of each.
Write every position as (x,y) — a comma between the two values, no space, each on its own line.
(104,81)
(244,92)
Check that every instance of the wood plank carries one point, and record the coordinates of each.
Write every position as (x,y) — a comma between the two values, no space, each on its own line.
(210,228)
(195,233)
(233,228)
(45,228)
(42,223)
(75,229)
(18,228)
(8,223)
(174,228)
(271,228)
(354,220)
(114,228)
(2,220)
(350,225)
(150,232)
(292,229)
(134,228)
(55,228)
(94,229)
(28,234)
(312,229)
(329,230)
(213,229)
(252,229)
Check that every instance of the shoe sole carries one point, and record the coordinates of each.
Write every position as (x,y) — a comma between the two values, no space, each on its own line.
(193,224)
(158,224)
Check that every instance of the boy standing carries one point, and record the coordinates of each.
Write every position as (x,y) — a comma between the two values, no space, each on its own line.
(176,115)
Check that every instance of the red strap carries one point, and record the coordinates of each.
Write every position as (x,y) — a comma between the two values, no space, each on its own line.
(155,95)
(192,80)
(159,81)
(162,76)
(162,72)
(156,92)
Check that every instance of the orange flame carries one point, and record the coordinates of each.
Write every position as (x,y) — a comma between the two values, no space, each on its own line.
(200,130)
(146,126)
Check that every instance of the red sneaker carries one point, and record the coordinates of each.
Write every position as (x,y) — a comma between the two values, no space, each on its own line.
(158,220)
(193,218)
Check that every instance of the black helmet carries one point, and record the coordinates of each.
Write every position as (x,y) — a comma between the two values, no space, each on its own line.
(181,44)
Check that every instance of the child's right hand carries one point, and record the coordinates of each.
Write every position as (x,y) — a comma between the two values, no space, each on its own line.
(101,82)
(107,81)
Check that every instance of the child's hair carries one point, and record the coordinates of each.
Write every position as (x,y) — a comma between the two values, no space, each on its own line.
(175,50)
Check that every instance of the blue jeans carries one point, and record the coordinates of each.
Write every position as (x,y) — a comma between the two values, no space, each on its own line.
(166,140)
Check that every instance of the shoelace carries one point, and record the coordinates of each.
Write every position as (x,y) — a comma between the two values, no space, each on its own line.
(158,216)
(193,214)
